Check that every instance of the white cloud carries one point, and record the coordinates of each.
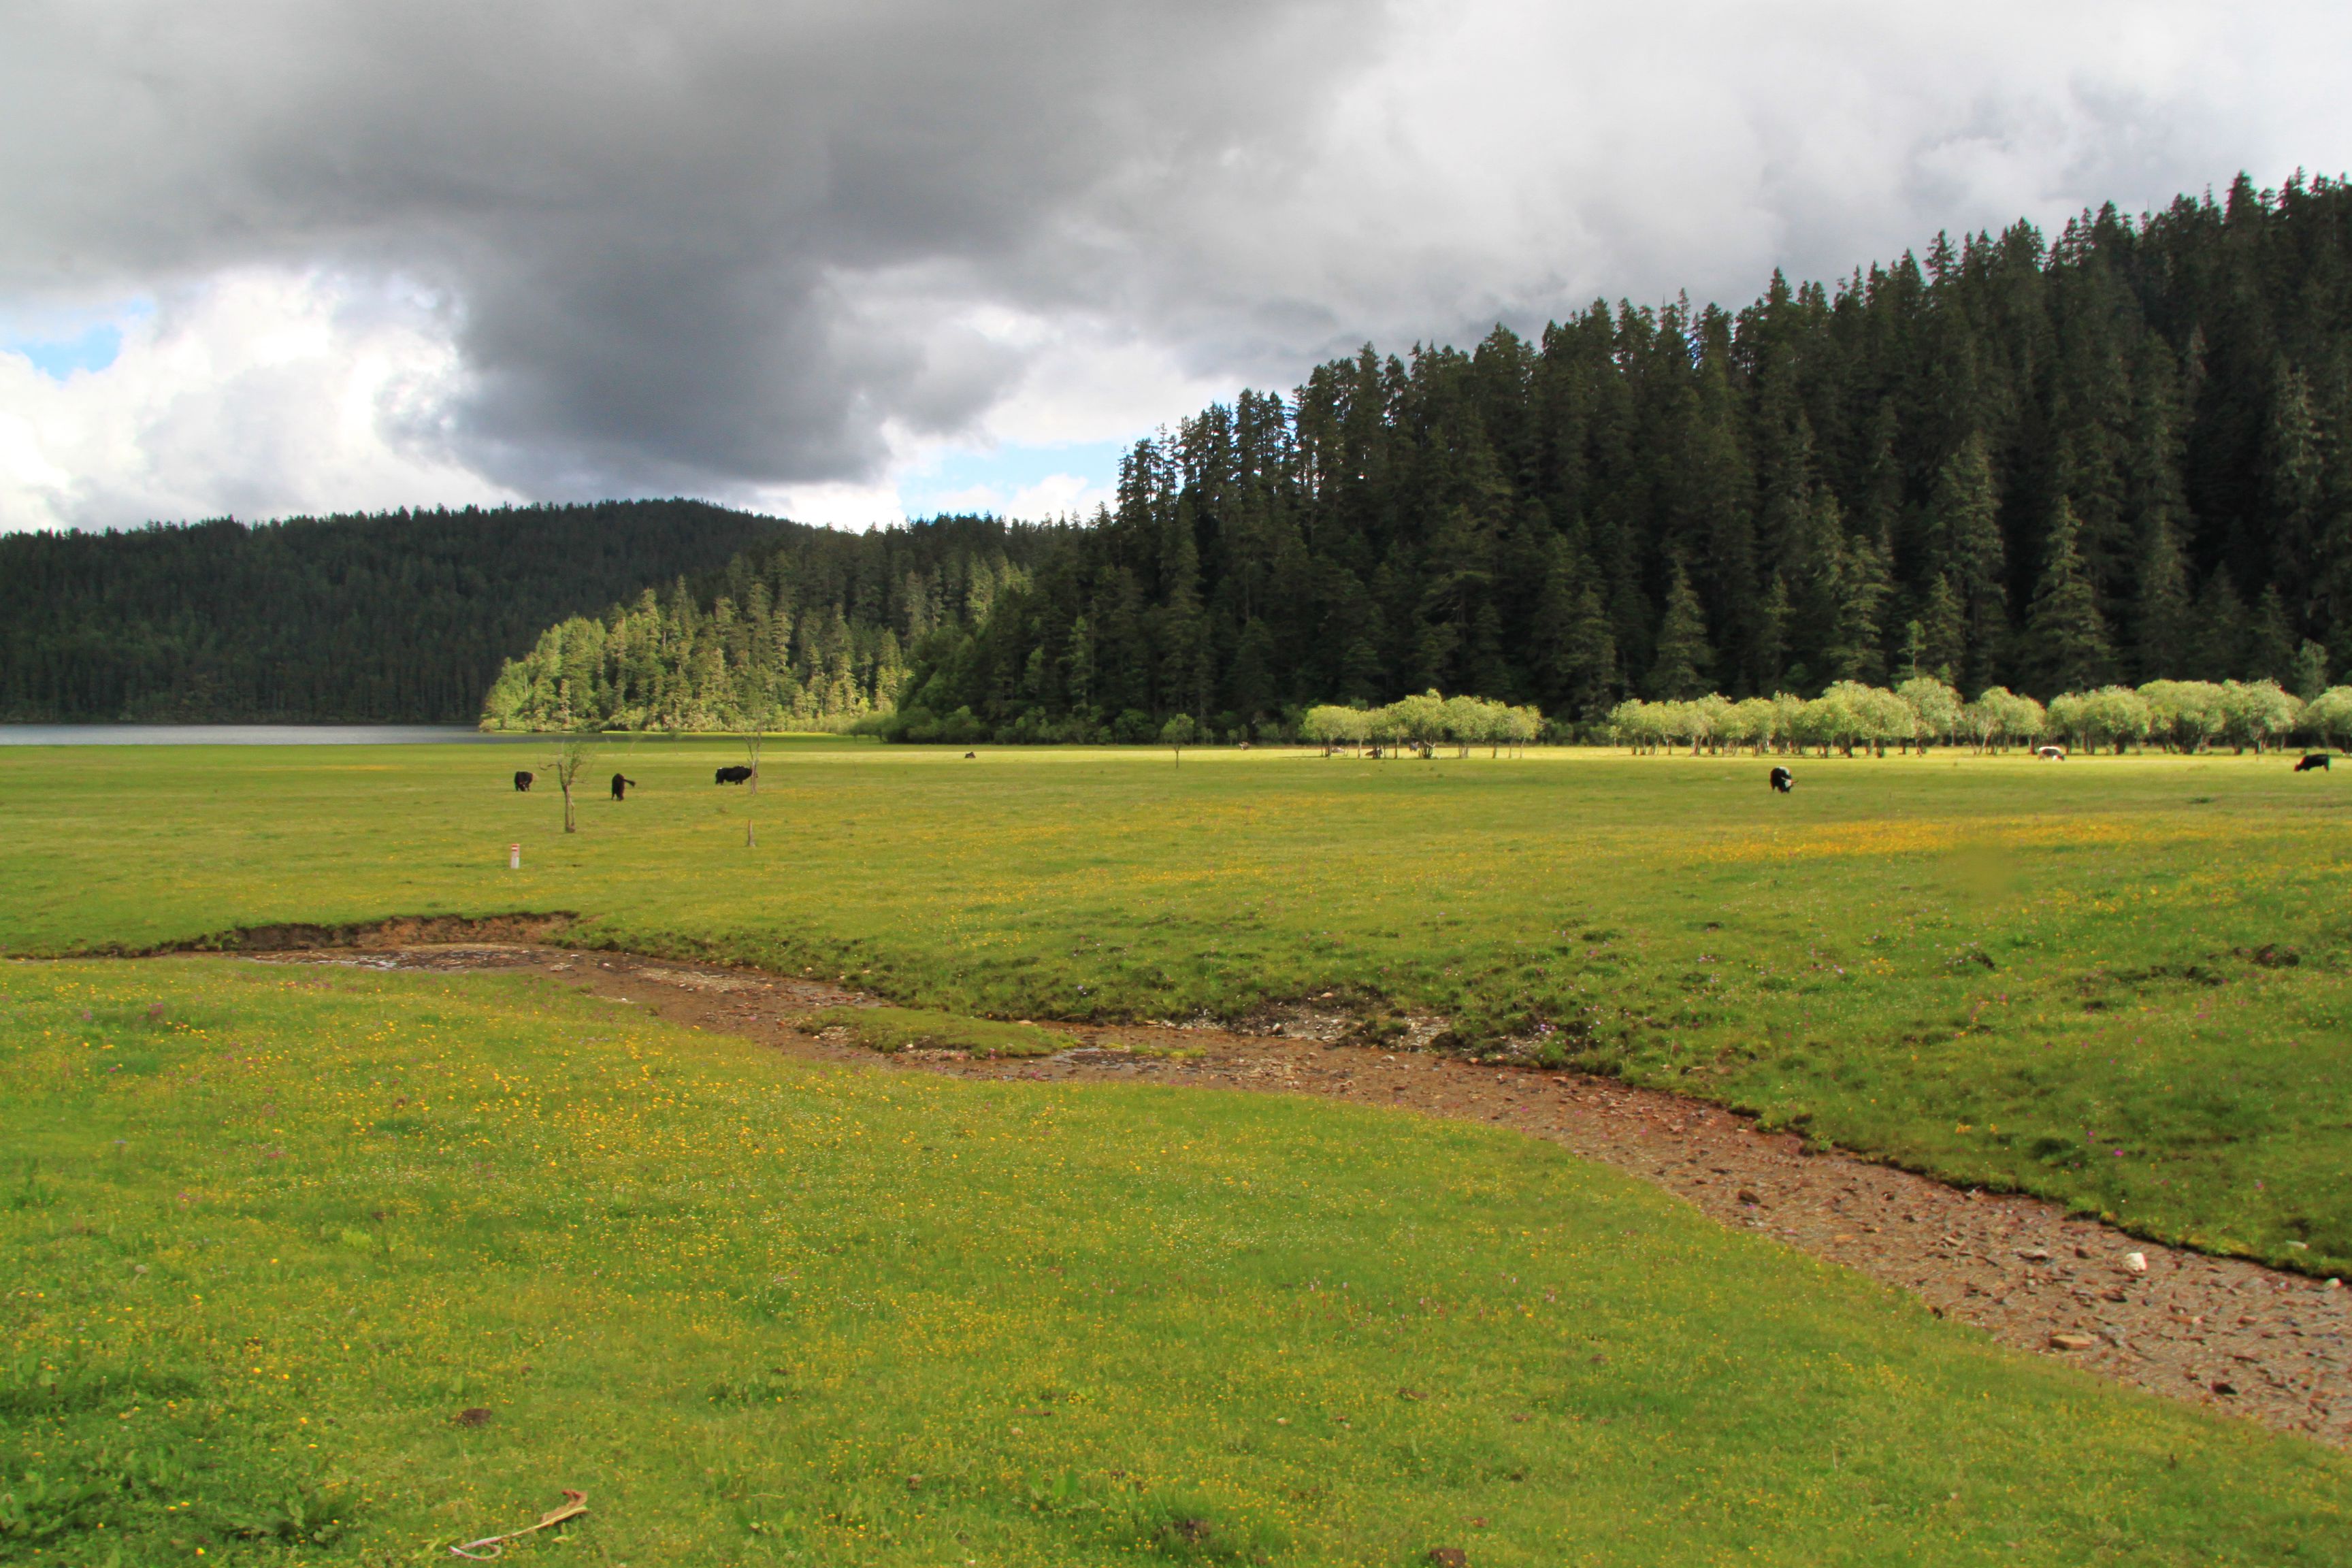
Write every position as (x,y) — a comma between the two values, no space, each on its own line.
(253,393)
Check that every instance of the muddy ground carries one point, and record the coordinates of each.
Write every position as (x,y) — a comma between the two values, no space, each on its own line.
(2272,1347)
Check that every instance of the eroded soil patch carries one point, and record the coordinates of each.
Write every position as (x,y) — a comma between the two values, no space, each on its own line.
(400,932)
(2274,1347)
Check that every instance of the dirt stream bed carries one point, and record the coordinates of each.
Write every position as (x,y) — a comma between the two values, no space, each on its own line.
(2272,1347)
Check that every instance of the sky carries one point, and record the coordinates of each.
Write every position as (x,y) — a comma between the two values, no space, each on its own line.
(854,262)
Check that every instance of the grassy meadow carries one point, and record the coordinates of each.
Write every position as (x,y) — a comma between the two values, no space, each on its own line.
(272,1231)
(2118,982)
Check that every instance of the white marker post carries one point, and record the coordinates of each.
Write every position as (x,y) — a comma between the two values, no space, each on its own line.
(514,856)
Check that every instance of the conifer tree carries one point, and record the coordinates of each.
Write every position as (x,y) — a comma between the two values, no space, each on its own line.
(1943,632)
(2218,640)
(2291,481)
(1589,664)
(1772,636)
(2162,614)
(2067,637)
(1683,660)
(1866,586)
(2310,677)
(2270,643)
(1964,527)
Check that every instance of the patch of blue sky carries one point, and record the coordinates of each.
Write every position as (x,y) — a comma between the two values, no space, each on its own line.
(1013,480)
(59,345)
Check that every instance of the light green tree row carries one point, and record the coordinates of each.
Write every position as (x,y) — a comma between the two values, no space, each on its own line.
(1422,725)
(672,666)
(2178,715)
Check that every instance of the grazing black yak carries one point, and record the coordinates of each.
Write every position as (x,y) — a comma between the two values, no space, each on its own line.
(1783,781)
(621,787)
(967,757)
(732,776)
(2316,760)
(522,783)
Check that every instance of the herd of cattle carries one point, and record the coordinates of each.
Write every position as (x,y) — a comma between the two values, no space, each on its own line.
(621,786)
(1783,781)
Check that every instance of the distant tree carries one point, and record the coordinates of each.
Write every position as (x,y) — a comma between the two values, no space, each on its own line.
(2120,717)
(2328,716)
(2256,713)
(1420,720)
(1466,722)
(1640,726)
(1326,726)
(1934,708)
(2185,715)
(1178,733)
(2069,714)
(2004,718)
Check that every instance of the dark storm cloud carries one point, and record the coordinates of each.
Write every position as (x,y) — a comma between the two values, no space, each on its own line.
(685,245)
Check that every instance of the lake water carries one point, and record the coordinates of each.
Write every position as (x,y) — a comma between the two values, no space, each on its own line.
(245,735)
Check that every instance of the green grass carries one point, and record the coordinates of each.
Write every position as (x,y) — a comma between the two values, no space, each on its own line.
(271,1229)
(2073,979)
(893,1030)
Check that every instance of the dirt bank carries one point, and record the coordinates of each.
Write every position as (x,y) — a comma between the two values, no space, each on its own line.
(2272,1347)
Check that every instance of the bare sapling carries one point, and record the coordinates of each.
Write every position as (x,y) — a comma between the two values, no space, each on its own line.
(572,754)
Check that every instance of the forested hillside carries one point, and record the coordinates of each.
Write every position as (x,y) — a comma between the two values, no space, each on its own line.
(398,617)
(811,630)
(2123,456)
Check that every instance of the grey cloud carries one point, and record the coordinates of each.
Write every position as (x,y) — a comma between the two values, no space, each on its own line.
(663,224)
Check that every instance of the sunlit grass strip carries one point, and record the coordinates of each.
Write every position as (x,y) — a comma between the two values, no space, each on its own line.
(761,1311)
(1902,946)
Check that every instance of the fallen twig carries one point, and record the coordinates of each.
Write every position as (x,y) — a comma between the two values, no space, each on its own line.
(574,1506)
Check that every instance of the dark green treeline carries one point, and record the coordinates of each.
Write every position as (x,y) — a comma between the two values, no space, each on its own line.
(2123,456)
(400,617)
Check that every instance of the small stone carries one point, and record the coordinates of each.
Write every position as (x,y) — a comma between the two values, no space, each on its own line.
(2225,1388)
(1748,1195)
(475,1416)
(1447,1557)
(2135,1261)
(2072,1342)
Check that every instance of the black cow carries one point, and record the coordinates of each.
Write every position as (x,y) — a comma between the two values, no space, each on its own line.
(1783,781)
(2316,759)
(732,776)
(522,783)
(621,787)
(967,757)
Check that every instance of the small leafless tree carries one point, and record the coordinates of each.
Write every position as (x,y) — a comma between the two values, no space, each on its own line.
(571,754)
(761,719)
